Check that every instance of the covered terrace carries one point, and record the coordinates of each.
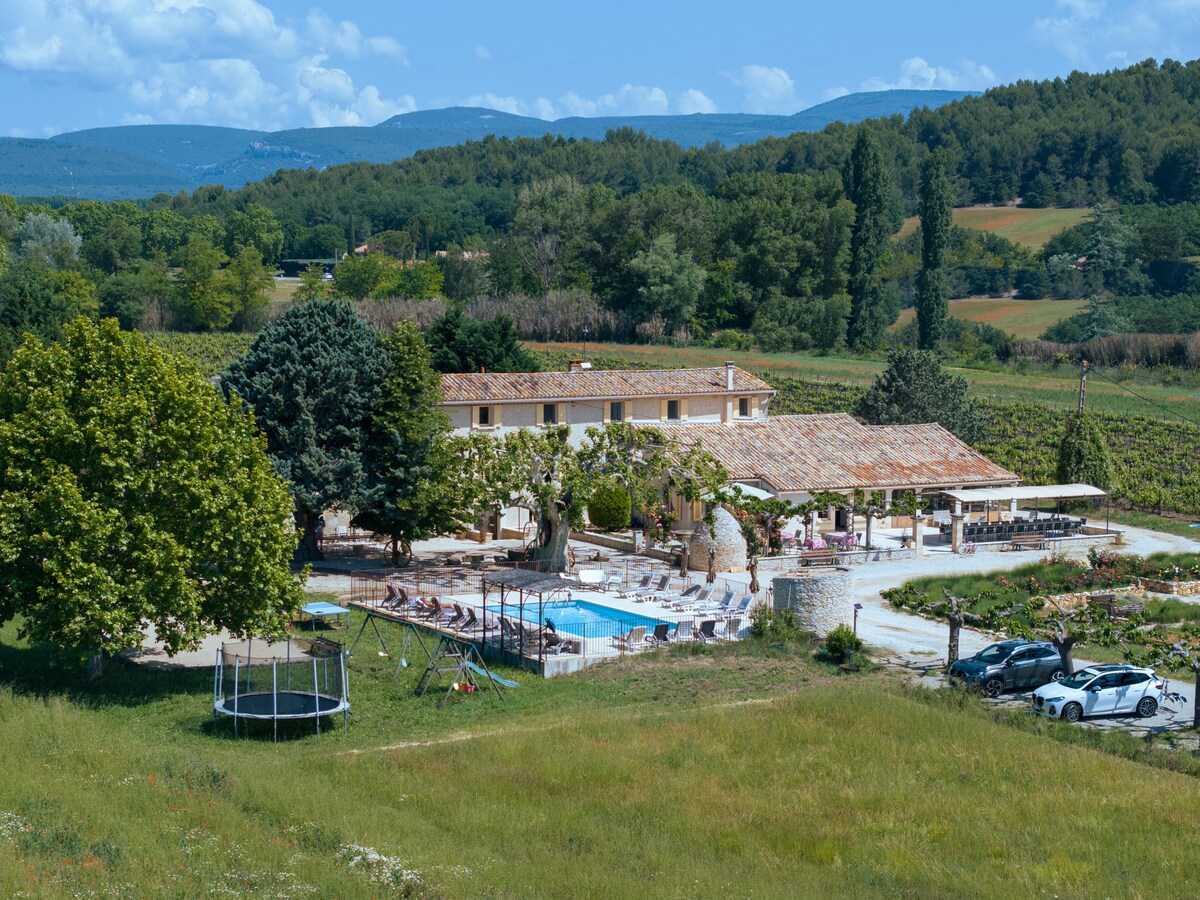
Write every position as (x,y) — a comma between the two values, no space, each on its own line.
(991,515)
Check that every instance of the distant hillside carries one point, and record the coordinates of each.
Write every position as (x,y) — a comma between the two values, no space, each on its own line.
(31,168)
(138,161)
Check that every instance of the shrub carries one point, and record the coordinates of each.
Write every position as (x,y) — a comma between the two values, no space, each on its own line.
(841,644)
(772,624)
(610,507)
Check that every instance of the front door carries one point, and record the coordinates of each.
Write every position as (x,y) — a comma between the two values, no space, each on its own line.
(841,519)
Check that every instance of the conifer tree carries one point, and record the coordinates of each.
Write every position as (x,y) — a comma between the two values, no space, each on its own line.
(867,186)
(933,290)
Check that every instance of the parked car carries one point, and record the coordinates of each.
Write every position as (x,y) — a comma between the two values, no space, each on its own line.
(1010,665)
(1101,691)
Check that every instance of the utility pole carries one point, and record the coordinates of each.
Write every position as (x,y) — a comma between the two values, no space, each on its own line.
(1082,383)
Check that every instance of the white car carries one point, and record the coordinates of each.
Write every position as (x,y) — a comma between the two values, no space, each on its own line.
(1101,691)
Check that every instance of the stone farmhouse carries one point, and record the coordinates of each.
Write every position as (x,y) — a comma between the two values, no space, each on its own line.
(726,409)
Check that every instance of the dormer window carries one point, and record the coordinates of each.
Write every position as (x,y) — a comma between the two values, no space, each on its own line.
(744,407)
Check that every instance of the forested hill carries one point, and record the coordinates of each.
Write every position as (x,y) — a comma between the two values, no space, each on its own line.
(147,159)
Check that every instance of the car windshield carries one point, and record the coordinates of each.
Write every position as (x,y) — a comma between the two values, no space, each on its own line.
(1078,679)
(994,653)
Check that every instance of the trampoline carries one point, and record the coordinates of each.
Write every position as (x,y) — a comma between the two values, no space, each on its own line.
(289,680)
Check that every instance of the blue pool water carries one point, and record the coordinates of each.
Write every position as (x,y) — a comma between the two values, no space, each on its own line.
(578,617)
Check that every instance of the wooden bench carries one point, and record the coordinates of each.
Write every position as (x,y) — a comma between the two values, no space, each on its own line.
(825,557)
(1028,542)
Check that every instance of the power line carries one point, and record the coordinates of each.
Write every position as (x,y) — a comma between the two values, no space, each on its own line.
(1094,369)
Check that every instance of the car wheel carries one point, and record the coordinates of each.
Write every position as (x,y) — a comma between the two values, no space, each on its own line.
(1147,707)
(1072,712)
(993,686)
(1056,676)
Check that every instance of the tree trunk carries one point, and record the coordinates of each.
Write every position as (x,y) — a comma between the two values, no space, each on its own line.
(1196,698)
(1064,646)
(867,545)
(307,550)
(95,664)
(952,648)
(553,534)
(401,551)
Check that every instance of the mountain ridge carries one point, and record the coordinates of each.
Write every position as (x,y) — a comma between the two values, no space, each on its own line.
(138,161)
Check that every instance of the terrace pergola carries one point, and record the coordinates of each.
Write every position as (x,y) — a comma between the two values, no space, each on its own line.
(1010,497)
(527,585)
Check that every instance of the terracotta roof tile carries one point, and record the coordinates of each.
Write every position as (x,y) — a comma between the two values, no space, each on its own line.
(836,452)
(598,384)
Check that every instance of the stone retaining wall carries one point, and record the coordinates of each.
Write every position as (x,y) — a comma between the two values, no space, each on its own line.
(821,598)
(1179,588)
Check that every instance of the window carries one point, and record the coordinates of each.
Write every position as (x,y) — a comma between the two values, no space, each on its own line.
(744,407)
(1134,678)
(549,414)
(672,410)
(485,417)
(616,411)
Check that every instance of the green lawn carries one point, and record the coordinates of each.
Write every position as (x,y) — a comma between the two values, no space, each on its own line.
(746,771)
(1021,318)
(1056,387)
(1022,225)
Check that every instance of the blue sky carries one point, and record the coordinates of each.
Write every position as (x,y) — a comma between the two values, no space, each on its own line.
(271,64)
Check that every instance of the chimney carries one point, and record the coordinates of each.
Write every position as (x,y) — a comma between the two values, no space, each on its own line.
(578,365)
(729,375)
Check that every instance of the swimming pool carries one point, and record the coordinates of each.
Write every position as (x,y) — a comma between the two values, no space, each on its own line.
(578,617)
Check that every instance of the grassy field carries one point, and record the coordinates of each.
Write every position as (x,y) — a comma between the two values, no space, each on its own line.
(746,771)
(1057,388)
(1022,225)
(1021,318)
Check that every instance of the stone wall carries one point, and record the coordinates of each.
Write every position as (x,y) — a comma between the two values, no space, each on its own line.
(821,598)
(1178,588)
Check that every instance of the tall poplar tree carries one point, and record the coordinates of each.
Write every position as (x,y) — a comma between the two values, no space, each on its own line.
(868,187)
(933,290)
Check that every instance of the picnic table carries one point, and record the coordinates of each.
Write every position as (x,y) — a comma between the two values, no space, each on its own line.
(320,609)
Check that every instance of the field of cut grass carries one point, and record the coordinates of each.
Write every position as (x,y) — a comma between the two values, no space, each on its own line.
(1057,388)
(1022,225)
(1021,318)
(742,771)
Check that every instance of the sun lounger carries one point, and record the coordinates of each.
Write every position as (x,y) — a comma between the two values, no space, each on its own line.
(732,627)
(632,640)
(707,631)
(592,578)
(613,580)
(691,598)
(659,635)
(655,592)
(742,607)
(726,605)
(643,585)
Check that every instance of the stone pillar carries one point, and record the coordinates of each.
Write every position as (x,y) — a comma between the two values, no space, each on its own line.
(918,533)
(956,530)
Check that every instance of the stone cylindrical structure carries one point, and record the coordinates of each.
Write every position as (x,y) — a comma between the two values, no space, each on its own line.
(820,598)
(727,539)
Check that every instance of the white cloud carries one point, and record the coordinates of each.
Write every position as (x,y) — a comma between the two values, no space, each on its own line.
(917,74)
(694,101)
(1088,32)
(628,100)
(834,92)
(223,62)
(766,89)
(482,52)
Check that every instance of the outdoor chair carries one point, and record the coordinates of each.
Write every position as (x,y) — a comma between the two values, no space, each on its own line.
(592,578)
(707,631)
(555,643)
(743,606)
(685,600)
(643,585)
(633,639)
(659,635)
(726,605)
(613,580)
(470,622)
(732,627)
(654,593)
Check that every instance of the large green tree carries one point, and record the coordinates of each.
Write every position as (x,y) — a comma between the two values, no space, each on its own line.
(459,343)
(933,290)
(133,495)
(916,389)
(868,186)
(313,377)
(413,491)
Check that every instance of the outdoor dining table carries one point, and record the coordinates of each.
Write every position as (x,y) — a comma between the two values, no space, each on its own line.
(841,538)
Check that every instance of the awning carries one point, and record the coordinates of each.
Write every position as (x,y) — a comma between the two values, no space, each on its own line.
(1026,492)
(747,490)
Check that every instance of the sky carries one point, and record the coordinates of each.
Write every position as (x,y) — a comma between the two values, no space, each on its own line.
(66,65)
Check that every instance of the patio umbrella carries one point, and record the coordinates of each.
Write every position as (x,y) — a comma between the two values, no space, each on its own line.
(712,564)
(683,561)
(754,574)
